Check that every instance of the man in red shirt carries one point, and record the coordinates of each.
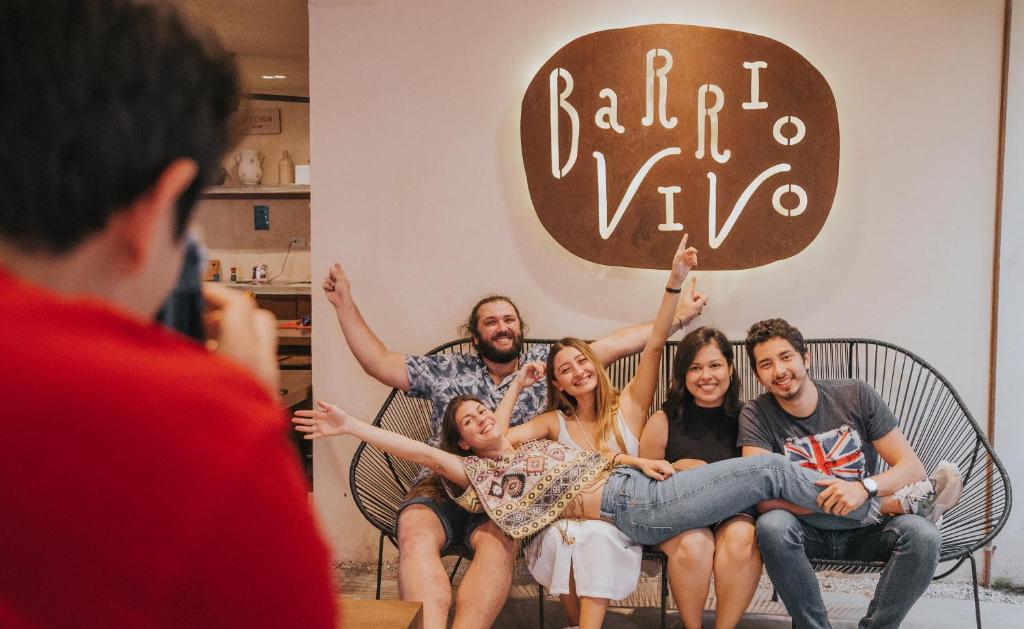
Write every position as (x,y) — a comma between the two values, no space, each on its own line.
(144,482)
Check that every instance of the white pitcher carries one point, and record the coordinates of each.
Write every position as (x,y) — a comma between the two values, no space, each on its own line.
(250,169)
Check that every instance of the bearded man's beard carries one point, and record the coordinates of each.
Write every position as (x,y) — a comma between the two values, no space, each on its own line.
(487,350)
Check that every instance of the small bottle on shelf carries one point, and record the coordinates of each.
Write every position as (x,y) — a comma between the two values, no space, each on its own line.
(286,170)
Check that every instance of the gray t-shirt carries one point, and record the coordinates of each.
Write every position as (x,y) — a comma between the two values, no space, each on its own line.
(836,439)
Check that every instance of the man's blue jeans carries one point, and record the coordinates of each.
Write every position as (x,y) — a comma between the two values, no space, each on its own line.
(651,511)
(908,544)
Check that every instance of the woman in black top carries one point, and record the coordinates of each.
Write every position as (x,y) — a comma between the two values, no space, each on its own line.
(696,426)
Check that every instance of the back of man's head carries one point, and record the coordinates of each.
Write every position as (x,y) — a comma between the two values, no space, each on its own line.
(768,329)
(102,95)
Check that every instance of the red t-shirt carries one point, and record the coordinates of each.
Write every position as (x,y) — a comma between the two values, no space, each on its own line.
(143,482)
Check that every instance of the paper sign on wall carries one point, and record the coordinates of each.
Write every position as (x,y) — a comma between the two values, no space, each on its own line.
(631,136)
(264,121)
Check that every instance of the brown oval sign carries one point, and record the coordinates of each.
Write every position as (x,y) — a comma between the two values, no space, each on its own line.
(631,136)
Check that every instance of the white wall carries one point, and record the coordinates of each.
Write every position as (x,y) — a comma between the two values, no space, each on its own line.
(421,194)
(1009,437)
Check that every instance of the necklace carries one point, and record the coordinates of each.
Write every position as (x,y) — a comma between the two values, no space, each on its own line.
(583,431)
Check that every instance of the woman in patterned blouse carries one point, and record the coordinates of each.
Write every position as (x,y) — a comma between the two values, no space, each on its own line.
(524,485)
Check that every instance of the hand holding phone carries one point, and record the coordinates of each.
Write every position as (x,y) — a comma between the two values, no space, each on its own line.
(183,309)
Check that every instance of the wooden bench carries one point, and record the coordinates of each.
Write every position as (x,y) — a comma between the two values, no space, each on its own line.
(930,412)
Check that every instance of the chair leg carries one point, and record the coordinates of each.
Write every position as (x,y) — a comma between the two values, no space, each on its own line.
(977,602)
(380,562)
(664,590)
(775,595)
(540,606)
(451,577)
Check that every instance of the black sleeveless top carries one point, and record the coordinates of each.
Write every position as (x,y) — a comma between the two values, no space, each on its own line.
(701,433)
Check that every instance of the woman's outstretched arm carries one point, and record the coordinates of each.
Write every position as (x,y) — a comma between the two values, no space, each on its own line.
(637,395)
(330,421)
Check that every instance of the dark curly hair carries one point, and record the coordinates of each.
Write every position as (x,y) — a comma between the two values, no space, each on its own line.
(469,328)
(768,329)
(431,486)
(450,436)
(102,95)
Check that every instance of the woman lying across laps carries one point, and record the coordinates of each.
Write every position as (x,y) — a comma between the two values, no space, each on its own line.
(523,487)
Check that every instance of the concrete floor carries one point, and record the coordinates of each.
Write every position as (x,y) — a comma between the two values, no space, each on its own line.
(641,609)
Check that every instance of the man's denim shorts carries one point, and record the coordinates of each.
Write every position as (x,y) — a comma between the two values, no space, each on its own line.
(458,523)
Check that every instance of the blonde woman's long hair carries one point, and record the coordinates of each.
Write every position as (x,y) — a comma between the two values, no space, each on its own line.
(607,396)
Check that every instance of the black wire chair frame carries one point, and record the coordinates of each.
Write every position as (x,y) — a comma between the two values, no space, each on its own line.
(931,414)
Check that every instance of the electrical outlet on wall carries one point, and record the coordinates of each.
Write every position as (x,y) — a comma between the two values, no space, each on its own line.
(297,241)
(261,216)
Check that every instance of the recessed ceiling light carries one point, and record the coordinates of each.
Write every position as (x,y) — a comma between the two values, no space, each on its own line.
(272,77)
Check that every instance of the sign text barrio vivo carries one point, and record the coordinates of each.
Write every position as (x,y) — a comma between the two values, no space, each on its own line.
(631,136)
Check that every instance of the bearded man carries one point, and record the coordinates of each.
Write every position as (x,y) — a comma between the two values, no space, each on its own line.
(429,524)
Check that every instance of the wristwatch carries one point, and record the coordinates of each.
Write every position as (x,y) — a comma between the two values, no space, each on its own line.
(870,486)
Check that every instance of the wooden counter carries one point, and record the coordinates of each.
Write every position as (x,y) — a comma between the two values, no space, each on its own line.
(293,337)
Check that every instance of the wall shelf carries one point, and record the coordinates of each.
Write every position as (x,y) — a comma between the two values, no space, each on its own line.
(297,191)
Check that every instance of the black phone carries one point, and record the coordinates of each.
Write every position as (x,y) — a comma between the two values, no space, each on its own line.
(183,310)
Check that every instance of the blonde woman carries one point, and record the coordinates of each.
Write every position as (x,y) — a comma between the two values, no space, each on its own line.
(590,563)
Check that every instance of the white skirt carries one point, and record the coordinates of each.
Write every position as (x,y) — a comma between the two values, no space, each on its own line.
(605,562)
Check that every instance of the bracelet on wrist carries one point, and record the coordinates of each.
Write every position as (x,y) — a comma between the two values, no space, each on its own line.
(674,291)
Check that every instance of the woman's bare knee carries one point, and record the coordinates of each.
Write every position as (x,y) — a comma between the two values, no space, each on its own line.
(693,545)
(737,539)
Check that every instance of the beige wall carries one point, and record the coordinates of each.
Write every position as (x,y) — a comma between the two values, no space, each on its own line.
(416,120)
(225,226)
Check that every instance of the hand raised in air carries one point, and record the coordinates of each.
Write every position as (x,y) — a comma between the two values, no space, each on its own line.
(531,373)
(684,260)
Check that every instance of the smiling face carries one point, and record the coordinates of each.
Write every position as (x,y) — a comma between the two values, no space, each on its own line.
(708,376)
(574,372)
(498,335)
(781,369)
(477,426)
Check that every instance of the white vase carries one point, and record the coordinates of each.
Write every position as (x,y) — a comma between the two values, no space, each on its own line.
(250,169)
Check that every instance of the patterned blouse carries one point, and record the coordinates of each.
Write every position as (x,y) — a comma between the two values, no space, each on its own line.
(525,491)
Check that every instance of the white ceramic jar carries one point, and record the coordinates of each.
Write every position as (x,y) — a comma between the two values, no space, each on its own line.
(250,166)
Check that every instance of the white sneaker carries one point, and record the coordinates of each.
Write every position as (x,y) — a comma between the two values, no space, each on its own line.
(933,497)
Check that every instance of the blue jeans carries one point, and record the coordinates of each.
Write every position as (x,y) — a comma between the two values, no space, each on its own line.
(651,511)
(908,544)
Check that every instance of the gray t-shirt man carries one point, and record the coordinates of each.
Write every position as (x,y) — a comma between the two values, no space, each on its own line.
(836,439)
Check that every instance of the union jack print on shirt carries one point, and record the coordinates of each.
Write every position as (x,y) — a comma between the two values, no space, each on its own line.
(835,453)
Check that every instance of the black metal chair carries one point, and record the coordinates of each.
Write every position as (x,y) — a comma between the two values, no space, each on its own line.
(930,412)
